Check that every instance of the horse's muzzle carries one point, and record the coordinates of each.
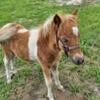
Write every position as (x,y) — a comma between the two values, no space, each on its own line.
(77,60)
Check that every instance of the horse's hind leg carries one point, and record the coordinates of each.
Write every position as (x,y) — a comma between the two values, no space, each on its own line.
(9,67)
(6,63)
(12,69)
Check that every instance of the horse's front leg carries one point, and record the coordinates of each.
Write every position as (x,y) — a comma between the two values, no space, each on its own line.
(55,74)
(48,80)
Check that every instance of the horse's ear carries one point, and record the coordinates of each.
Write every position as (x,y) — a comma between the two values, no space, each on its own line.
(75,12)
(57,20)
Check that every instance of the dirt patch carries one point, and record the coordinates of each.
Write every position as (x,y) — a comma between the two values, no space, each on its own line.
(58,95)
(34,87)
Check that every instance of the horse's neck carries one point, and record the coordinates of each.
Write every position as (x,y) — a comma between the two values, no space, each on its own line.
(49,41)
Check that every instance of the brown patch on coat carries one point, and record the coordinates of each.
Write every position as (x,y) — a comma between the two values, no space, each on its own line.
(17,44)
(48,51)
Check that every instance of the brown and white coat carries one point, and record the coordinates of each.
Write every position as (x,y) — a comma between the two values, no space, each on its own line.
(41,44)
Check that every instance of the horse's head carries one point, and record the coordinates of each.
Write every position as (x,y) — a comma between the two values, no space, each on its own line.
(68,36)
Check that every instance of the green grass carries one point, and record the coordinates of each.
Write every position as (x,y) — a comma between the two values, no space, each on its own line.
(31,13)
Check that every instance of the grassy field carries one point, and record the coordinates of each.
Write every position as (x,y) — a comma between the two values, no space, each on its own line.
(84,79)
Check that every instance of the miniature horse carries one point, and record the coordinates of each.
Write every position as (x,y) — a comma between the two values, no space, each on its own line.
(44,43)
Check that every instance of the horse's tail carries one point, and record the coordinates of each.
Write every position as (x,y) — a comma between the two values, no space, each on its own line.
(7,31)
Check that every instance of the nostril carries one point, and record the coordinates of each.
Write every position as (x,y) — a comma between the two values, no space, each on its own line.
(78,60)
(82,60)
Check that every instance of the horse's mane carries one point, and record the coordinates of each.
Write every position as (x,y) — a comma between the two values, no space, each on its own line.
(46,26)
(48,23)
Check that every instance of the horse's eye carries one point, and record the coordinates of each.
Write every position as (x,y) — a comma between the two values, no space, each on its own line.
(65,40)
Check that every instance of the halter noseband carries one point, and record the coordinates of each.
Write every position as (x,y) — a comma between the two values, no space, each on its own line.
(68,48)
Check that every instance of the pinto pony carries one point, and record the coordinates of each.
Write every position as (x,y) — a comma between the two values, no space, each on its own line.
(44,43)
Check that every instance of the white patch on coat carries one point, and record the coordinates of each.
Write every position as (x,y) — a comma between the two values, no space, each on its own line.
(75,30)
(23,30)
(32,43)
(55,74)
(6,63)
(49,87)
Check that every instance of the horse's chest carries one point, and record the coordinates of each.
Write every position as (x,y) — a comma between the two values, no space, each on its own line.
(47,56)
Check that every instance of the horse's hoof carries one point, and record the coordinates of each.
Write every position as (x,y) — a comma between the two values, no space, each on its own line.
(9,81)
(12,76)
(61,88)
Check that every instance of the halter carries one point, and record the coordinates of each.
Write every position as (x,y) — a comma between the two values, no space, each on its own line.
(66,47)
